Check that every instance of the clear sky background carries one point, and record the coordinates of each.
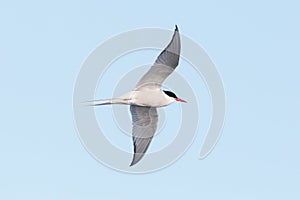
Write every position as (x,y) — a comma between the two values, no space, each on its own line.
(255,46)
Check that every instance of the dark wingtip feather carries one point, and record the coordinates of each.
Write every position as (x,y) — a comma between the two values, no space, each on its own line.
(131,164)
(176,27)
(134,161)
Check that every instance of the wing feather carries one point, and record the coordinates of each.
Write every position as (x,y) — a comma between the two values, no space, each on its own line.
(144,121)
(164,65)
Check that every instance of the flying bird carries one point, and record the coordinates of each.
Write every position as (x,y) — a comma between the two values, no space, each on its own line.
(147,96)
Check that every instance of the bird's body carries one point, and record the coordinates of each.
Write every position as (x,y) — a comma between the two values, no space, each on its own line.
(140,98)
(147,96)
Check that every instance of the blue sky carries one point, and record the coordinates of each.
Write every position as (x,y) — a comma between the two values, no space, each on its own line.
(255,46)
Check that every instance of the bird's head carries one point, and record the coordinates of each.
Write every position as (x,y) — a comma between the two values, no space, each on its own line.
(173,95)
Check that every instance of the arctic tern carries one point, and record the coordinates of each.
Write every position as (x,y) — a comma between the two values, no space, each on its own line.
(147,96)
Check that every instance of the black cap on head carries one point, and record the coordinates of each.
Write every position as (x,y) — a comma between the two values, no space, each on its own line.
(170,94)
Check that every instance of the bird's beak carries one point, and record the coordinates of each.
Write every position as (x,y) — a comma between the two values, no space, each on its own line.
(180,100)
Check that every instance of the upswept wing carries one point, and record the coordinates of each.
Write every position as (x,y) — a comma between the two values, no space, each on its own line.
(164,65)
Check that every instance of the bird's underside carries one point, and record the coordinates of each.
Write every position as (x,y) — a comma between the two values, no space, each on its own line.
(146,96)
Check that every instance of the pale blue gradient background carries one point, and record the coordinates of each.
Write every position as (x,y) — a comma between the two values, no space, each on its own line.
(255,46)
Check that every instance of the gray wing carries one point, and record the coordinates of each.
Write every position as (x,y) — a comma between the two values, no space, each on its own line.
(144,121)
(164,65)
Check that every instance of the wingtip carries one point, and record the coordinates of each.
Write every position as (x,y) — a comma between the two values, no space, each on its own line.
(132,163)
(176,27)
(136,158)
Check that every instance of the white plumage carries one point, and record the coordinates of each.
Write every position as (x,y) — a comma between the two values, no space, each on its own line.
(147,96)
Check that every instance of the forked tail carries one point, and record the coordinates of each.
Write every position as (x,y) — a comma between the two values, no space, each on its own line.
(106,102)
